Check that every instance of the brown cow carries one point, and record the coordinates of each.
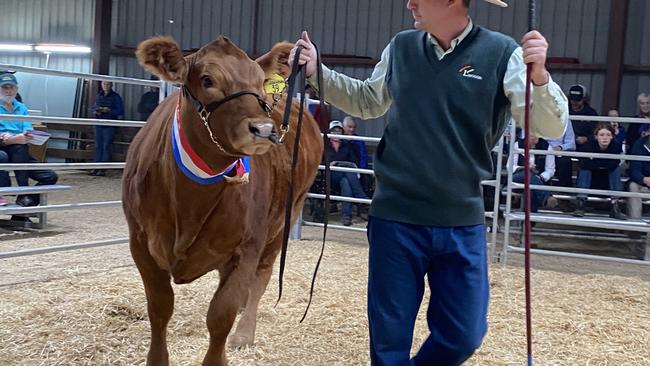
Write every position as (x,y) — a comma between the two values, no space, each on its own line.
(181,229)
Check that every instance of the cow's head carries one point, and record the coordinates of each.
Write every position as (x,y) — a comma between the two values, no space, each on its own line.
(217,72)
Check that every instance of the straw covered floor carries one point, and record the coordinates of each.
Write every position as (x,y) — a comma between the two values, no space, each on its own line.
(99,317)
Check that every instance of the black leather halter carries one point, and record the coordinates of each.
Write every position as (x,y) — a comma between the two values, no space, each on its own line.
(205,110)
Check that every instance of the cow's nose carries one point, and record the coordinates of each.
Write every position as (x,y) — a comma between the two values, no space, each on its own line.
(262,129)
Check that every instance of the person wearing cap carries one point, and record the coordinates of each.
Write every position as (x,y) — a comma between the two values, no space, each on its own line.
(343,153)
(14,135)
(584,130)
(448,87)
(18,97)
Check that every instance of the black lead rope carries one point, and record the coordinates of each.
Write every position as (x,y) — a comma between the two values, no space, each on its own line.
(295,70)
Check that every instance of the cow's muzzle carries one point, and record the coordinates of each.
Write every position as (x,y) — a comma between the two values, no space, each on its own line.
(264,130)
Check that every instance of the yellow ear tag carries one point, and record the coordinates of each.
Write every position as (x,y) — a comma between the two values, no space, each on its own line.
(275,84)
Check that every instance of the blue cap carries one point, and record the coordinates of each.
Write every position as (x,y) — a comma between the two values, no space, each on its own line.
(8,79)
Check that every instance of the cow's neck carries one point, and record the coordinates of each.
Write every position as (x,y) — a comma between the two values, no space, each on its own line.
(199,139)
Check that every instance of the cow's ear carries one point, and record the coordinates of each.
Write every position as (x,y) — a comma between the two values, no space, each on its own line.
(162,57)
(276,61)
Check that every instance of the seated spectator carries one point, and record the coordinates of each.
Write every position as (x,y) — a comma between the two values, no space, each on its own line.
(14,135)
(635,130)
(603,143)
(639,176)
(579,106)
(148,101)
(564,165)
(618,127)
(344,154)
(542,168)
(350,128)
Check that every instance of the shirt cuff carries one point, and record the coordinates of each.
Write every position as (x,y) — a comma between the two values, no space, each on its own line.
(313,79)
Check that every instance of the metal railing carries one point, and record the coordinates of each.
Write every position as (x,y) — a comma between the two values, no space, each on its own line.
(560,219)
(163,90)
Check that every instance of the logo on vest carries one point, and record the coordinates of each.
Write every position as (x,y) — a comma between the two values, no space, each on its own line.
(468,72)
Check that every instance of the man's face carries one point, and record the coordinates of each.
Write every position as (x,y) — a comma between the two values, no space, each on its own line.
(9,92)
(428,15)
(644,105)
(576,105)
(349,127)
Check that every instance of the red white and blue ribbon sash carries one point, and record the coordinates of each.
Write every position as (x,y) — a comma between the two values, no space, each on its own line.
(191,163)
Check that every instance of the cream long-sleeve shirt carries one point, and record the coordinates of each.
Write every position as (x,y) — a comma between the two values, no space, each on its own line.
(370,98)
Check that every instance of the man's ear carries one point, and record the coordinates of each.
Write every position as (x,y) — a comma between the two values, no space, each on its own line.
(163,58)
(276,61)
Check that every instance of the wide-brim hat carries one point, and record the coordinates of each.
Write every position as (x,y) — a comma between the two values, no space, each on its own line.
(498,2)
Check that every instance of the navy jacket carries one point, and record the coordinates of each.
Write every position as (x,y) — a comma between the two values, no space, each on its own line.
(640,169)
(347,152)
(594,164)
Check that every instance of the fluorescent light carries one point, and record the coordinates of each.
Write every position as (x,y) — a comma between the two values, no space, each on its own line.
(15,47)
(62,48)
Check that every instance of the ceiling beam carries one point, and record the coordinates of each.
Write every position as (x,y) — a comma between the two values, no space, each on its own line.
(615,51)
(102,36)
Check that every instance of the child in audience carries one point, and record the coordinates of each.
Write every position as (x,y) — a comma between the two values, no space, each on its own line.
(603,143)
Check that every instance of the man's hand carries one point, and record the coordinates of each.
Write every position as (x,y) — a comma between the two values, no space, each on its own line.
(20,139)
(558,148)
(646,181)
(308,55)
(535,48)
(581,140)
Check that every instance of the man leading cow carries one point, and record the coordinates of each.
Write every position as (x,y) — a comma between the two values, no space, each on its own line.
(448,87)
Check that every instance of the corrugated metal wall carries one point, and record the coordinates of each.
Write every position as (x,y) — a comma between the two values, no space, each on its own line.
(363,27)
(577,28)
(51,21)
(637,51)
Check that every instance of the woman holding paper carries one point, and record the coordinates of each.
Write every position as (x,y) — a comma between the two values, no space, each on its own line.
(14,135)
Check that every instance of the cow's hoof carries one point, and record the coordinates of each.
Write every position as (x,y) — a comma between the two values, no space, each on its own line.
(238,341)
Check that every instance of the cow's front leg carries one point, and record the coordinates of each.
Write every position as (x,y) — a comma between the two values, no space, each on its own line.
(160,301)
(233,289)
(245,333)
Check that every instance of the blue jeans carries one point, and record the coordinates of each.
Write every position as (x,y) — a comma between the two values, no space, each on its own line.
(455,262)
(17,153)
(537,197)
(584,180)
(350,186)
(103,143)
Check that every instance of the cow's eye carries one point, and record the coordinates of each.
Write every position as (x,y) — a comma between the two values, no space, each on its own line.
(207,82)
